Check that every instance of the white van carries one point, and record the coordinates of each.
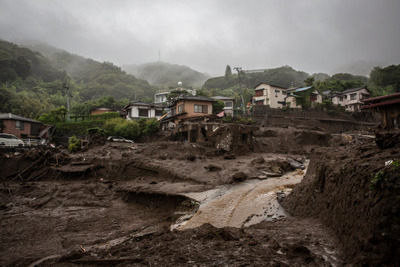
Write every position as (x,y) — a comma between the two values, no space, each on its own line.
(10,140)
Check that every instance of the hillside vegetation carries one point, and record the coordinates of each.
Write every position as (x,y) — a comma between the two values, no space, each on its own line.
(166,75)
(32,82)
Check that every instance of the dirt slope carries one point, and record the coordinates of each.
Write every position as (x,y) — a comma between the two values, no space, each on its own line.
(352,191)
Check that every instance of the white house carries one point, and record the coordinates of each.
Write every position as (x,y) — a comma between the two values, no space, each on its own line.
(271,95)
(137,110)
(161,97)
(351,99)
(228,102)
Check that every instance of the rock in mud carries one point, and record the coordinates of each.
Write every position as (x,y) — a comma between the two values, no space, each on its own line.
(239,177)
(212,168)
(258,160)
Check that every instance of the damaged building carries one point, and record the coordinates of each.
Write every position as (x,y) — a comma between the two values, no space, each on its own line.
(389,108)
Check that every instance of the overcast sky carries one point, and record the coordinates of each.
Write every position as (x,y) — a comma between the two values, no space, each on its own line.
(310,35)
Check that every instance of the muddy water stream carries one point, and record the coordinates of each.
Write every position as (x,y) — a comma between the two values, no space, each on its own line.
(242,204)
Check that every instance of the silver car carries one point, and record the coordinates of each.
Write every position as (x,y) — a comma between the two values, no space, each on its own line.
(10,140)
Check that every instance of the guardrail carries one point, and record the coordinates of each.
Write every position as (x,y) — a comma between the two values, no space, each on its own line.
(33,142)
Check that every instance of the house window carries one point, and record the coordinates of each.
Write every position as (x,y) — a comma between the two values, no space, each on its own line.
(259,92)
(353,96)
(200,108)
(364,96)
(228,104)
(159,112)
(180,108)
(143,113)
(341,98)
(19,125)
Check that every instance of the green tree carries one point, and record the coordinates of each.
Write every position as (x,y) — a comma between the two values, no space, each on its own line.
(218,106)
(176,94)
(228,72)
(309,81)
(389,76)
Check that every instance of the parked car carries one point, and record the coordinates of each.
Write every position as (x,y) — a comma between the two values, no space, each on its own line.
(10,140)
(119,139)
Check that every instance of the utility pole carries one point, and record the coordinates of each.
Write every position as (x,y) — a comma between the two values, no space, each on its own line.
(239,69)
(66,86)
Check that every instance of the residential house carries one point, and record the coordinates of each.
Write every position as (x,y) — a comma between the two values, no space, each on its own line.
(102,110)
(228,102)
(161,97)
(189,107)
(270,95)
(137,110)
(351,99)
(388,106)
(23,127)
(294,94)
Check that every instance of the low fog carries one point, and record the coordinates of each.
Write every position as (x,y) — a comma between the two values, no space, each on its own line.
(312,36)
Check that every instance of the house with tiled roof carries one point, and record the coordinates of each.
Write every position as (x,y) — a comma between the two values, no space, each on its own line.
(23,127)
(269,95)
(190,106)
(138,109)
(351,99)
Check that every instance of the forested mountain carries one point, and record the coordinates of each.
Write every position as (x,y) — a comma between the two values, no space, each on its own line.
(32,83)
(167,75)
(101,79)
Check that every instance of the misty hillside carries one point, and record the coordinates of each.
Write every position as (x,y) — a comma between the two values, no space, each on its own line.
(31,82)
(167,75)
(19,62)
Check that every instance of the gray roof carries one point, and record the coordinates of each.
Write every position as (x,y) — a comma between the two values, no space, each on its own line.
(9,116)
(198,98)
(144,104)
(354,89)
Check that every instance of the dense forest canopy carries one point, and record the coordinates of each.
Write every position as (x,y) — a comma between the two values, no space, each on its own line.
(33,81)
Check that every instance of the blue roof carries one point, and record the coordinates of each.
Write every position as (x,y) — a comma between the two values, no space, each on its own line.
(302,89)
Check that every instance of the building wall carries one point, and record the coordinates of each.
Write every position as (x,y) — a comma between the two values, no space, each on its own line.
(271,95)
(188,107)
(291,102)
(161,97)
(134,112)
(10,128)
(355,104)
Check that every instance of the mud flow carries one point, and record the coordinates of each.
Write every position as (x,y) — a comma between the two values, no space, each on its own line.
(288,196)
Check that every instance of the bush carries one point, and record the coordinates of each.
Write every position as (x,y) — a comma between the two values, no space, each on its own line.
(74,143)
(128,129)
(110,125)
(105,116)
(96,130)
(227,119)
(152,126)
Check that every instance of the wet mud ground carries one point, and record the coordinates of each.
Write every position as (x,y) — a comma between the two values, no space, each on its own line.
(119,209)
